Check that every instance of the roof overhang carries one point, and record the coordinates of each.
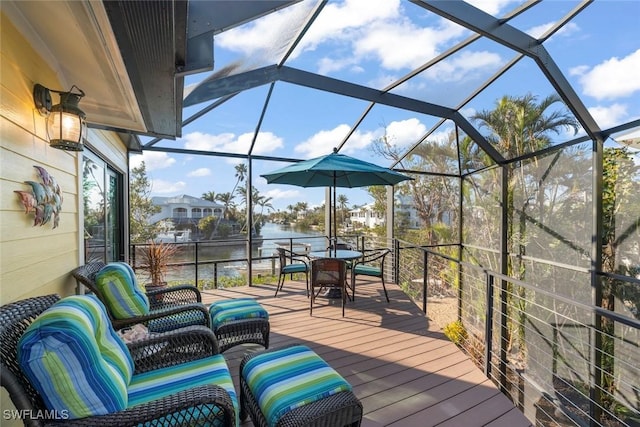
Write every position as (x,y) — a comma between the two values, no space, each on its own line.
(130,57)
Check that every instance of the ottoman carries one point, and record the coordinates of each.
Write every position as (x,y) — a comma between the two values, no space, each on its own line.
(293,386)
(239,321)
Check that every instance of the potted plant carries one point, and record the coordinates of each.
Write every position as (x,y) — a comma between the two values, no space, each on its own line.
(155,258)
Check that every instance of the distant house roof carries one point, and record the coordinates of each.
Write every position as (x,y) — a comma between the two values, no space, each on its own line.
(185,199)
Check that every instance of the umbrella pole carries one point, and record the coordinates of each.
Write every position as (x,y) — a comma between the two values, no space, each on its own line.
(335,224)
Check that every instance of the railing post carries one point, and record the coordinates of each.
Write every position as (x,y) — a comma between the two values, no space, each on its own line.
(425,279)
(396,261)
(215,275)
(488,326)
(504,334)
(197,264)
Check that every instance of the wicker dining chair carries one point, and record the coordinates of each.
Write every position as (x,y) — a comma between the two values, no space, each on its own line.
(206,403)
(371,264)
(327,273)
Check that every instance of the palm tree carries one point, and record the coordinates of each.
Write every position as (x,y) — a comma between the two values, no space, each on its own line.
(519,125)
(210,196)
(342,204)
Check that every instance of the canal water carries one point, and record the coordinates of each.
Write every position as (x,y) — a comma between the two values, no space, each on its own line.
(230,256)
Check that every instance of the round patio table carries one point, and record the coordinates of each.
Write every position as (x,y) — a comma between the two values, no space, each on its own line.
(340,254)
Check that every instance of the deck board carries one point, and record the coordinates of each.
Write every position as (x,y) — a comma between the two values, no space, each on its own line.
(401,366)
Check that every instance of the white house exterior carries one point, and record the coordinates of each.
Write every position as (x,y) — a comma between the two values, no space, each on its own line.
(185,209)
(366,217)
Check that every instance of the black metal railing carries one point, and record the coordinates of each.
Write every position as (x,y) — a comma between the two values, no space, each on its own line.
(562,360)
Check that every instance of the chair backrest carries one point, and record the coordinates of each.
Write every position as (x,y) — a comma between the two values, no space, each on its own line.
(75,359)
(328,271)
(375,256)
(15,318)
(340,247)
(86,275)
(120,291)
(286,256)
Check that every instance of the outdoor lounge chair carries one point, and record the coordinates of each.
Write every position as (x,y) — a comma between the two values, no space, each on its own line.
(291,263)
(234,322)
(371,264)
(44,339)
(165,309)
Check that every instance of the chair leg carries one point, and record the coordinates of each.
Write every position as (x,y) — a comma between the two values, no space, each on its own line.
(385,288)
(279,285)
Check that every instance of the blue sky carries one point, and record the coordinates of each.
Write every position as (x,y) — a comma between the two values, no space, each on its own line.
(374,43)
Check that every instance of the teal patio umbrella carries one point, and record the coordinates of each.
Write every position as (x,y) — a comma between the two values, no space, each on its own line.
(334,170)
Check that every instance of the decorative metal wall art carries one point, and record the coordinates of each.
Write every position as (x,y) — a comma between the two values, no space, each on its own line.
(44,199)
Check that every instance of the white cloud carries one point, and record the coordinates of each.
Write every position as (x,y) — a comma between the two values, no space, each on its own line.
(405,132)
(266,142)
(611,79)
(607,117)
(324,141)
(462,66)
(492,7)
(153,160)
(567,30)
(160,186)
(199,172)
(278,194)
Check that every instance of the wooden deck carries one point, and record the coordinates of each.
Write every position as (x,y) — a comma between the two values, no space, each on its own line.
(401,366)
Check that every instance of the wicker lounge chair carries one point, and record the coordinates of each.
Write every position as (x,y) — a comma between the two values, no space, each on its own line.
(179,306)
(183,303)
(195,405)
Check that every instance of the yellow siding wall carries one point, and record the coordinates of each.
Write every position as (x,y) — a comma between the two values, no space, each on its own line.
(37,260)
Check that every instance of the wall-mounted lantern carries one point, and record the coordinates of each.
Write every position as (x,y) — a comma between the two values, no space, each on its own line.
(66,125)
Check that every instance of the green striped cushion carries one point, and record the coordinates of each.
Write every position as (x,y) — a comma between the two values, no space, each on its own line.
(124,296)
(235,309)
(287,379)
(75,360)
(152,385)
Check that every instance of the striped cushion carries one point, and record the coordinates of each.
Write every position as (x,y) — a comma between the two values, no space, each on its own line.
(153,385)
(235,309)
(287,379)
(124,296)
(75,360)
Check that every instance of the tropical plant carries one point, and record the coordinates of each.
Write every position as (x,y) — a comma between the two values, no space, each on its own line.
(141,206)
(155,257)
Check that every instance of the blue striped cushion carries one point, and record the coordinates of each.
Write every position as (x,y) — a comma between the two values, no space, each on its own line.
(124,296)
(287,379)
(235,309)
(153,385)
(75,360)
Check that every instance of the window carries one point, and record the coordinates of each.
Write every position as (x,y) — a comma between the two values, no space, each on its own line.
(179,212)
(206,212)
(102,188)
(196,213)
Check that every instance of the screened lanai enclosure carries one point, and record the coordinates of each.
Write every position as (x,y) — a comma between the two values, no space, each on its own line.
(518,123)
